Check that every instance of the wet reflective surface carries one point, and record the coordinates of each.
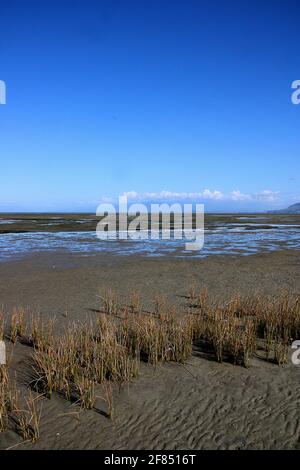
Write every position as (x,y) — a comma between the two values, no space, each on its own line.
(235,234)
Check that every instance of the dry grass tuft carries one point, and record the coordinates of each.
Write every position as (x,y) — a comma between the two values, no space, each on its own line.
(28,420)
(17,325)
(4,387)
(41,332)
(85,390)
(109,301)
(9,398)
(234,329)
(135,302)
(154,340)
(159,305)
(2,326)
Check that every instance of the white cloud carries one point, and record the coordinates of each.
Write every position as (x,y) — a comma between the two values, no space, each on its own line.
(214,199)
(264,196)
(130,194)
(170,195)
(237,195)
(268,196)
(216,195)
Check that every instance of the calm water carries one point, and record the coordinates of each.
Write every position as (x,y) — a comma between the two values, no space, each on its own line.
(237,235)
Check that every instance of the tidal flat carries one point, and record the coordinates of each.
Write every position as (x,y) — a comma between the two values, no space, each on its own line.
(195,403)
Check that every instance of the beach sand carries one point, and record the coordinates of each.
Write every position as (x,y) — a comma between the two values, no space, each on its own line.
(198,405)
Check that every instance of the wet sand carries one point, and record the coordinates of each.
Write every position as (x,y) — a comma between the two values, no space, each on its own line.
(199,405)
(55,282)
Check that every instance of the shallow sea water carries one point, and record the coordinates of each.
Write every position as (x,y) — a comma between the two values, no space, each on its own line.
(244,236)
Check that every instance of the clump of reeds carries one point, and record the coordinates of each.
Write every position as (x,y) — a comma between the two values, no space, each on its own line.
(278,323)
(2,326)
(180,335)
(242,342)
(8,397)
(135,302)
(224,329)
(41,332)
(166,338)
(202,299)
(4,382)
(281,349)
(28,420)
(109,301)
(192,293)
(3,410)
(159,305)
(17,325)
(113,359)
(85,390)
(12,393)
(51,368)
(218,332)
(84,354)
(233,329)
(110,349)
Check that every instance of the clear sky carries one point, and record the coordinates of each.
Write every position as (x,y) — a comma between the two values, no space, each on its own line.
(163,99)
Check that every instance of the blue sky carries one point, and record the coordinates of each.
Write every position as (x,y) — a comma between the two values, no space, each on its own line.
(162,99)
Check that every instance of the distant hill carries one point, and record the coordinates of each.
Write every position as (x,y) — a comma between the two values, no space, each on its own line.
(293,209)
